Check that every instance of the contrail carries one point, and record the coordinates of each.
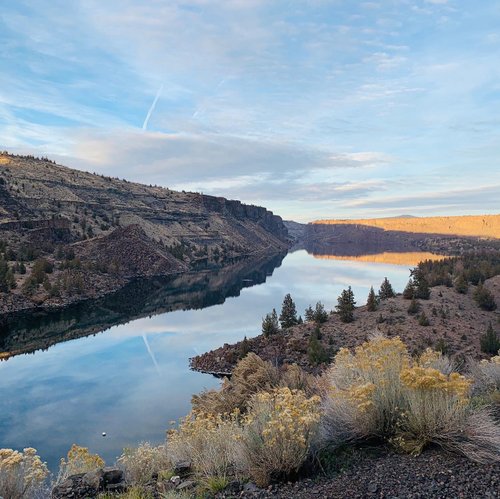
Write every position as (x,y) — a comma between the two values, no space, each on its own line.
(152,108)
(151,354)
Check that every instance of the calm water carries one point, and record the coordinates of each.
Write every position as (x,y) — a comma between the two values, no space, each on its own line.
(133,378)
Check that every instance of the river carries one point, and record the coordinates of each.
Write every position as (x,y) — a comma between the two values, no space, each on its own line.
(131,375)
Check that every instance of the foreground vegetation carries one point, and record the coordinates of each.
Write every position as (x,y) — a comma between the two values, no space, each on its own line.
(270,424)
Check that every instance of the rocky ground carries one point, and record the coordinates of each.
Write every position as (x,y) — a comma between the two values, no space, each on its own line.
(434,474)
(456,324)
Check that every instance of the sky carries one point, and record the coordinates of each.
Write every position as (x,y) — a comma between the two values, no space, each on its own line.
(313,109)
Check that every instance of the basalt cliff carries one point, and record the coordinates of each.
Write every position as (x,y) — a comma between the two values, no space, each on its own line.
(66,234)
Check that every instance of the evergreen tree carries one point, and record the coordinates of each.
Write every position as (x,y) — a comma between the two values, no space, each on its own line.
(309,314)
(288,316)
(419,284)
(320,314)
(414,306)
(461,285)
(345,307)
(490,342)
(386,290)
(244,348)
(316,352)
(408,292)
(372,302)
(7,281)
(484,298)
(270,324)
(423,320)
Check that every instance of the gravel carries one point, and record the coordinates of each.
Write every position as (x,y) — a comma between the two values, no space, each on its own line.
(434,474)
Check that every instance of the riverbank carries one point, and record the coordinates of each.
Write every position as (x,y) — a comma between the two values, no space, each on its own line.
(455,325)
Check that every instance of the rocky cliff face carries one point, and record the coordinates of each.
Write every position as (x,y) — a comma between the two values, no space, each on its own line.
(96,231)
(36,194)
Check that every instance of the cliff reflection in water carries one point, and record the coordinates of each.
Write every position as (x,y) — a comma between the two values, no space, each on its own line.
(26,333)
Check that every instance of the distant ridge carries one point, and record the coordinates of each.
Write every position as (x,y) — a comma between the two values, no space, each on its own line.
(466,225)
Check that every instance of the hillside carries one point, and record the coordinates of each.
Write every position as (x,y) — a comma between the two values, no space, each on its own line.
(94,233)
(456,325)
(468,225)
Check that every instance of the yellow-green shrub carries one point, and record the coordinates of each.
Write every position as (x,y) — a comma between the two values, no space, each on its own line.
(380,391)
(363,390)
(22,474)
(209,442)
(78,460)
(141,463)
(250,376)
(279,428)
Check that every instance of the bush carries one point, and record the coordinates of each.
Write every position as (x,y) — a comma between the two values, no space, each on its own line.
(278,433)
(78,460)
(141,463)
(413,307)
(423,320)
(379,391)
(251,375)
(316,352)
(22,474)
(483,297)
(209,442)
(490,342)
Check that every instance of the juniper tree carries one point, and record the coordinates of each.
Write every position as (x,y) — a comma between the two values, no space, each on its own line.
(490,342)
(345,307)
(414,306)
(316,352)
(309,314)
(423,320)
(461,286)
(386,290)
(288,316)
(408,292)
(483,297)
(270,324)
(372,302)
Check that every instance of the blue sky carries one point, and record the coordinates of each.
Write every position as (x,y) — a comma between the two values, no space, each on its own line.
(314,109)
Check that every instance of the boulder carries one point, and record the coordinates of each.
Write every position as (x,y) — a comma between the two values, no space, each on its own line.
(89,485)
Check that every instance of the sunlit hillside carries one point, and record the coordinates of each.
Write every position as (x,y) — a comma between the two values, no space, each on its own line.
(409,258)
(468,225)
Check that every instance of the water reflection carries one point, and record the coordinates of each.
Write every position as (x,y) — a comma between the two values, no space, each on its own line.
(411,258)
(130,381)
(25,333)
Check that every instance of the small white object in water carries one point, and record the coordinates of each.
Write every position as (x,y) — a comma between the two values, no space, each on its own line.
(103,433)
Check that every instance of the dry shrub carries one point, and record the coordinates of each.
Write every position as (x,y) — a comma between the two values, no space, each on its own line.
(364,391)
(379,391)
(141,463)
(250,376)
(435,406)
(22,474)
(209,442)
(436,360)
(486,375)
(279,428)
(78,460)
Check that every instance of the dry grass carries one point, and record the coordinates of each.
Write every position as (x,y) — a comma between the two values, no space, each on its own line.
(141,463)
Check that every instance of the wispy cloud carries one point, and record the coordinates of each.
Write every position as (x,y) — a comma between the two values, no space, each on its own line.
(336,102)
